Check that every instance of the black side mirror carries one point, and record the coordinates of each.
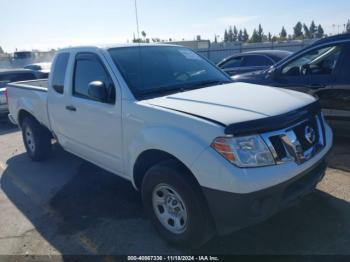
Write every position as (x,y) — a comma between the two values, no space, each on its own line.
(97,90)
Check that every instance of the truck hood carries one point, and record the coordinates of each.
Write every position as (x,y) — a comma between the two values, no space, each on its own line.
(234,103)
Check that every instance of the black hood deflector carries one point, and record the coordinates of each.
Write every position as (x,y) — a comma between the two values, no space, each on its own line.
(274,122)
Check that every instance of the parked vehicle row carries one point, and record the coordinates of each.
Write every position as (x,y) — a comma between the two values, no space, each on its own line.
(8,76)
(208,155)
(252,61)
(30,72)
(322,70)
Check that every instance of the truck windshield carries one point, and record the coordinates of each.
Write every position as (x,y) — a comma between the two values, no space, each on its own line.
(159,70)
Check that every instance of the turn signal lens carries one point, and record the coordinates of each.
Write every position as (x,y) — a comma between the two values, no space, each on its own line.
(221,146)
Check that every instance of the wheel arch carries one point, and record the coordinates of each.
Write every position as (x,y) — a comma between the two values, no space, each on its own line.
(149,158)
(22,114)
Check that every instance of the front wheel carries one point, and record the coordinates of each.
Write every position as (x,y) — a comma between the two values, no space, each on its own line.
(175,206)
(36,138)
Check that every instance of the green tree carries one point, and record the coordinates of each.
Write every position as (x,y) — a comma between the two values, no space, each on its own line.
(255,37)
(307,33)
(240,36)
(260,33)
(230,34)
(347,28)
(283,33)
(313,29)
(1,50)
(269,37)
(226,36)
(320,32)
(298,31)
(245,35)
(235,34)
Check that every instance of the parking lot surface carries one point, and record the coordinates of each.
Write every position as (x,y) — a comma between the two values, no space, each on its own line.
(66,206)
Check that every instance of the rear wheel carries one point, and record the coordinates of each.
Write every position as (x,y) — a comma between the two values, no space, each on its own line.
(36,138)
(175,205)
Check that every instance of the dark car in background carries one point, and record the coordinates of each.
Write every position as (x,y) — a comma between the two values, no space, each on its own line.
(252,61)
(8,76)
(41,70)
(321,69)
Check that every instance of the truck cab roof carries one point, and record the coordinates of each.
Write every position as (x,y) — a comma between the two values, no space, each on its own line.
(110,46)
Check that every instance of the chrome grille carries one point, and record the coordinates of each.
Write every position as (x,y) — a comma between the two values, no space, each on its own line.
(299,142)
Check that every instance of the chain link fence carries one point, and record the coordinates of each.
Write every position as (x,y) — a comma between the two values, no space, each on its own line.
(217,52)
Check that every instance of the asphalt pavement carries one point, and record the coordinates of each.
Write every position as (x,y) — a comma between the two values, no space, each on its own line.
(67,206)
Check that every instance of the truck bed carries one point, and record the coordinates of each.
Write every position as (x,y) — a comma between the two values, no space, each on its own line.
(37,85)
(30,96)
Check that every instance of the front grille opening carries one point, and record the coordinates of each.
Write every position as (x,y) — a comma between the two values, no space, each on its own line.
(300,133)
(279,148)
(298,141)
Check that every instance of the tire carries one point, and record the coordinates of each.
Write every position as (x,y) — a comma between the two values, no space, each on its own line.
(36,138)
(169,181)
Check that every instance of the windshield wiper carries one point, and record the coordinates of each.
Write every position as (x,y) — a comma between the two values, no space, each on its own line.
(163,90)
(205,83)
(183,87)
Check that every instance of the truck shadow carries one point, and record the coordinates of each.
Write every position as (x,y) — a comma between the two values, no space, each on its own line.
(339,157)
(81,209)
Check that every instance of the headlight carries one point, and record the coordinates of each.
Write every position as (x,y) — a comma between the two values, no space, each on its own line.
(247,151)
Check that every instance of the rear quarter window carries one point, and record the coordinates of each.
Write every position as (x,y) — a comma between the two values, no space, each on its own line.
(59,72)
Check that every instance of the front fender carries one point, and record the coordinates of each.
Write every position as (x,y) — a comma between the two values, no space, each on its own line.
(179,143)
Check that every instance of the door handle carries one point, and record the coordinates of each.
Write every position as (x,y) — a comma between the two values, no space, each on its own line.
(71,108)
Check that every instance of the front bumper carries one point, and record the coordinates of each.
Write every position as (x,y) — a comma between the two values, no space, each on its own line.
(232,211)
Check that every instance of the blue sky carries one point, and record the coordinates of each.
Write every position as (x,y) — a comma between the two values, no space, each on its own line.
(57,23)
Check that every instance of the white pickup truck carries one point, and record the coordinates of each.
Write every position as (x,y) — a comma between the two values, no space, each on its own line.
(208,155)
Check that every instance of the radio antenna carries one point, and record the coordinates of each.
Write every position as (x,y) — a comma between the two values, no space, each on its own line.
(137,21)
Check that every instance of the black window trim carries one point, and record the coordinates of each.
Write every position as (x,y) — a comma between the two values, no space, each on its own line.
(88,55)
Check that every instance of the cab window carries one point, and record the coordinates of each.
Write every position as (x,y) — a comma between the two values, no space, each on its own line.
(59,72)
(89,68)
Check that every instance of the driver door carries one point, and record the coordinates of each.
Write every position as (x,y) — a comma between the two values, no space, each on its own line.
(94,127)
(313,72)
